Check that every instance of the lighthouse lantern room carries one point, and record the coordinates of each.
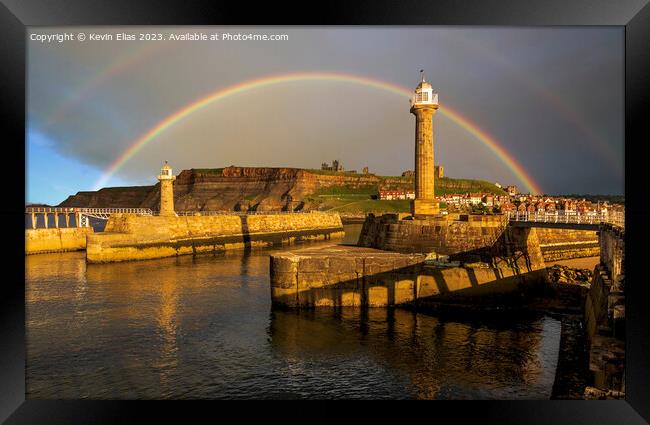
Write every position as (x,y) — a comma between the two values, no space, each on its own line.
(424,94)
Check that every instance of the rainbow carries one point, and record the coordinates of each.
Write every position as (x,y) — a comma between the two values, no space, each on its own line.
(245,86)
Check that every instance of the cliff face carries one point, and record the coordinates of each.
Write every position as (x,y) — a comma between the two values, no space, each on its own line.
(110,197)
(236,188)
(239,188)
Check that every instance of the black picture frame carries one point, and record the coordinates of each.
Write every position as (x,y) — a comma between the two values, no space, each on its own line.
(17,15)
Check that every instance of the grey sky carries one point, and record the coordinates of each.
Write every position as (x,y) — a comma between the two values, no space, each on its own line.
(552,97)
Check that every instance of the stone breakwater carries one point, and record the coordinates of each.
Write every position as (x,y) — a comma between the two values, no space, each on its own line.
(605,318)
(131,237)
(401,261)
(39,241)
(364,277)
(456,233)
(444,234)
(565,244)
(465,238)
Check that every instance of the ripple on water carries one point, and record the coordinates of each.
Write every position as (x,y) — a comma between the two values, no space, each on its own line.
(203,328)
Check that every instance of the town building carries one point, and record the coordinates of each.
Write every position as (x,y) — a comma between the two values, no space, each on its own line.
(389,195)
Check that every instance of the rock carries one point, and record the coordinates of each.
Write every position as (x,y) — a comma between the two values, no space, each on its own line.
(592,393)
(564,274)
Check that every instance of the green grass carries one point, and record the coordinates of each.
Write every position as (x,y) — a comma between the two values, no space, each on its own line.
(403,178)
(370,205)
(352,199)
(347,190)
(446,186)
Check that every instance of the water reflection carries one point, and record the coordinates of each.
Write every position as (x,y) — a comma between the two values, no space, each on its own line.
(203,327)
(433,358)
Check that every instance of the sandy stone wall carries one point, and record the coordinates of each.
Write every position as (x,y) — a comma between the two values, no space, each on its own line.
(443,234)
(131,237)
(466,238)
(56,240)
(612,251)
(456,233)
(338,279)
(605,315)
(353,276)
(388,267)
(564,244)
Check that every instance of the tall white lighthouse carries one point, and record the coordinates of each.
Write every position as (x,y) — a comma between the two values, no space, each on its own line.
(423,105)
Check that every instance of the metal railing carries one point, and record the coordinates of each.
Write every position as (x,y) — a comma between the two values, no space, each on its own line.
(208,213)
(147,211)
(569,217)
(51,216)
(89,211)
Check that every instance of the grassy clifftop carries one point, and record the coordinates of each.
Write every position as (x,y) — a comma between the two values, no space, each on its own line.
(355,199)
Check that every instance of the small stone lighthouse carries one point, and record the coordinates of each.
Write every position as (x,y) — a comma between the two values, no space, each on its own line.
(423,106)
(166,179)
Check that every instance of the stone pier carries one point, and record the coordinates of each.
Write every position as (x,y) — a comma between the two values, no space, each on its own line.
(605,318)
(340,276)
(400,261)
(39,241)
(43,238)
(131,237)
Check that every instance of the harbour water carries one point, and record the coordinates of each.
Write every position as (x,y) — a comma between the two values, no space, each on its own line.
(203,327)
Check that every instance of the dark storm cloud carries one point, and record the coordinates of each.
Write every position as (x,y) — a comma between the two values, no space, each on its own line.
(551,96)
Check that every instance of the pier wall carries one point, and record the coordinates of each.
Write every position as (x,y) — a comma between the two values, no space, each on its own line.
(605,318)
(446,235)
(363,277)
(456,233)
(565,244)
(466,238)
(399,261)
(131,237)
(39,241)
